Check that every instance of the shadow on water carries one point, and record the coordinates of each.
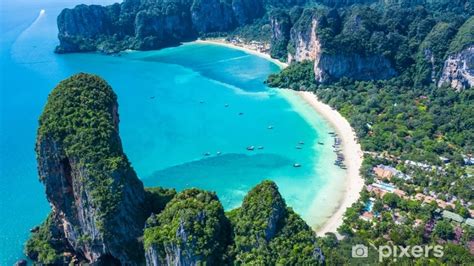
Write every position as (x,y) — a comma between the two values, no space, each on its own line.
(232,175)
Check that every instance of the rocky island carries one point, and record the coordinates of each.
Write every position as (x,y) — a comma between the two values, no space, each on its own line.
(102,214)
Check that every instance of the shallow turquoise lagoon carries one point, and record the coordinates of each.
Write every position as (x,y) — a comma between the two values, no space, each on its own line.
(187,116)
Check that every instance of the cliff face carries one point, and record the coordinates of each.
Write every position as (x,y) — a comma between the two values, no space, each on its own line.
(246,11)
(329,67)
(192,230)
(306,44)
(48,238)
(144,25)
(458,70)
(212,16)
(156,29)
(280,24)
(430,57)
(96,198)
(82,28)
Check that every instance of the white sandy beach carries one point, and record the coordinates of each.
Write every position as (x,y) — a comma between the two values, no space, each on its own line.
(245,49)
(350,147)
(353,159)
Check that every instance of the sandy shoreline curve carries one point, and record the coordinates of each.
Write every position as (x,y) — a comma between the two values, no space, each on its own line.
(244,48)
(350,147)
(353,159)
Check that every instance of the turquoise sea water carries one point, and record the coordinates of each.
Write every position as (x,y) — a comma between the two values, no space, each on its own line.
(187,115)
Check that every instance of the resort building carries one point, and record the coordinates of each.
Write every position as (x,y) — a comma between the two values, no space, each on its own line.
(400,193)
(428,199)
(384,171)
(419,196)
(443,204)
(470,222)
(387,172)
(451,216)
(423,166)
(367,216)
(377,191)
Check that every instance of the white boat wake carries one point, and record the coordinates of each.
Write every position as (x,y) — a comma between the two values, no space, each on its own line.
(24,49)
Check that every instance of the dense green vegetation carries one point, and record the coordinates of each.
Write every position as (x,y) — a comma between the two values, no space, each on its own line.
(156,199)
(279,41)
(296,77)
(263,231)
(417,124)
(413,226)
(257,31)
(431,54)
(267,232)
(192,221)
(464,37)
(79,116)
(394,32)
(43,247)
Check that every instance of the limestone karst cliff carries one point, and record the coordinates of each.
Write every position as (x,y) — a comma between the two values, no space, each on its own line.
(280,23)
(431,55)
(357,43)
(329,67)
(264,231)
(192,230)
(309,41)
(304,43)
(144,25)
(458,69)
(96,198)
(154,24)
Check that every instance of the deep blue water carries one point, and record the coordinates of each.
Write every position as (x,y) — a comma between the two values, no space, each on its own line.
(176,105)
